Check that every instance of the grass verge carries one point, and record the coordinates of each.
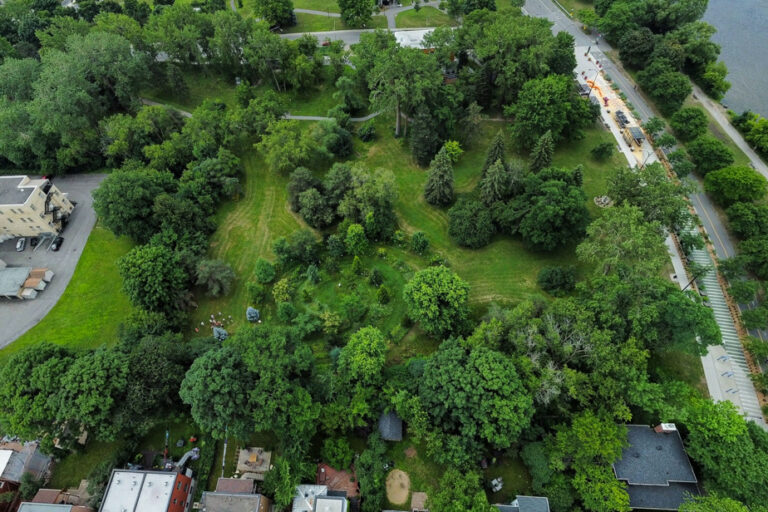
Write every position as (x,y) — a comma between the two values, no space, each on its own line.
(318,23)
(424,17)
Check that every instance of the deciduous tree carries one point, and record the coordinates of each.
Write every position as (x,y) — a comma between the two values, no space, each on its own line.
(437,298)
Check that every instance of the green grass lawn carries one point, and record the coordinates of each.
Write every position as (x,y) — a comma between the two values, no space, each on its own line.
(424,17)
(78,465)
(319,23)
(88,313)
(201,86)
(317,5)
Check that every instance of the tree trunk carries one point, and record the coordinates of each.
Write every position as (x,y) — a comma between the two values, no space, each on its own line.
(397,118)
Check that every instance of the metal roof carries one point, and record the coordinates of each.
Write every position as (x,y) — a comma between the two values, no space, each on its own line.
(44,507)
(12,279)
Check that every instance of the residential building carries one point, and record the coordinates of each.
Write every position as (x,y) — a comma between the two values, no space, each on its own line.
(16,459)
(316,498)
(31,207)
(51,507)
(148,491)
(526,504)
(656,468)
(234,495)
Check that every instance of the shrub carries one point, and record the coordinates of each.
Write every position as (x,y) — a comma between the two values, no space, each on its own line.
(337,453)
(264,271)
(453,148)
(256,292)
(367,131)
(376,277)
(286,312)
(282,291)
(419,243)
(602,151)
(382,295)
(557,280)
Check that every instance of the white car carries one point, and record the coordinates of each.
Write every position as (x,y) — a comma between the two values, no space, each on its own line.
(21,243)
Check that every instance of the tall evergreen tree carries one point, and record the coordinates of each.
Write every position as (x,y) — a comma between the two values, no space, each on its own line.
(541,156)
(495,152)
(495,184)
(439,188)
(424,139)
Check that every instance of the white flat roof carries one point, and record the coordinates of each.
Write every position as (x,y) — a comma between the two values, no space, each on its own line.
(136,491)
(329,504)
(412,38)
(5,457)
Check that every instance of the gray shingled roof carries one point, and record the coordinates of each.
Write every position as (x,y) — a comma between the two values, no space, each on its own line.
(653,458)
(664,497)
(391,427)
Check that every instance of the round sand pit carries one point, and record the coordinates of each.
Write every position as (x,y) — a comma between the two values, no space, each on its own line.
(398,487)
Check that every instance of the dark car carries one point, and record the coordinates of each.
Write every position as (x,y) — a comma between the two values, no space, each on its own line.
(34,241)
(56,244)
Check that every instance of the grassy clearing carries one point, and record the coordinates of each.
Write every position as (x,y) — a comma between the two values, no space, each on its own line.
(201,86)
(681,366)
(513,473)
(573,6)
(92,306)
(318,23)
(317,5)
(78,465)
(424,17)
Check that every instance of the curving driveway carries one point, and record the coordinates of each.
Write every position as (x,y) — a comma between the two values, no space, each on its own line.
(18,316)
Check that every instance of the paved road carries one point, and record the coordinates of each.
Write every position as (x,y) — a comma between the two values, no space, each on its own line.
(718,112)
(17,316)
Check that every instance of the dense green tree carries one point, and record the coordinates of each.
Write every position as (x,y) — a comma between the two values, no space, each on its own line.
(659,199)
(713,81)
(356,242)
(653,126)
(548,104)
(30,386)
(217,388)
(216,276)
(153,278)
(460,492)
(125,137)
(667,86)
(495,185)
(285,146)
(437,298)
(470,224)
(231,33)
(603,151)
(624,240)
(356,13)
(372,468)
(557,280)
(301,180)
(712,503)
(315,209)
(748,220)
(542,153)
(709,154)
(689,123)
(180,32)
(424,140)
(438,191)
(755,251)
(737,183)
(124,201)
(496,152)
(54,36)
(91,392)
(474,399)
(636,46)
(719,437)
(276,12)
(299,248)
(369,201)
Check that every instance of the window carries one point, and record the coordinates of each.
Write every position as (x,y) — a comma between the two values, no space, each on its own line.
(178,486)
(33,207)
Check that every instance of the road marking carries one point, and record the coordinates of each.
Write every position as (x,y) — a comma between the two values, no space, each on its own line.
(714,228)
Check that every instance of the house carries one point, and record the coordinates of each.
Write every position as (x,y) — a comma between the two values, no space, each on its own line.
(16,459)
(526,504)
(148,491)
(316,498)
(31,207)
(391,427)
(51,507)
(656,468)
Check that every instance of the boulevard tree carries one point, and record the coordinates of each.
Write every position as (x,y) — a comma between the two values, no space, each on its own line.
(689,123)
(737,183)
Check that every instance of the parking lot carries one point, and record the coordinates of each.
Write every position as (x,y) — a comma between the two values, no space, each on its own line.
(18,316)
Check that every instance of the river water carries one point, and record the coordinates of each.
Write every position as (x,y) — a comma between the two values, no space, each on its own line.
(742,32)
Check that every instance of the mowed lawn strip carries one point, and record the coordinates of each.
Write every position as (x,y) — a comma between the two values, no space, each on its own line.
(424,17)
(89,311)
(319,23)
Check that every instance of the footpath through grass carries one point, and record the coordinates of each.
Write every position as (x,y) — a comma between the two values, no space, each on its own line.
(88,313)
(424,17)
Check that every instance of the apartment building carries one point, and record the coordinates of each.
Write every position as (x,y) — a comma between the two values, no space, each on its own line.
(31,207)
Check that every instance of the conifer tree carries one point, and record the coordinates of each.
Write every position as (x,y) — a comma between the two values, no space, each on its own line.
(541,156)
(495,185)
(439,188)
(495,152)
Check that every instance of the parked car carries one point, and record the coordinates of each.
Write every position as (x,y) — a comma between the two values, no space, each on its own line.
(34,241)
(56,244)
(21,244)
